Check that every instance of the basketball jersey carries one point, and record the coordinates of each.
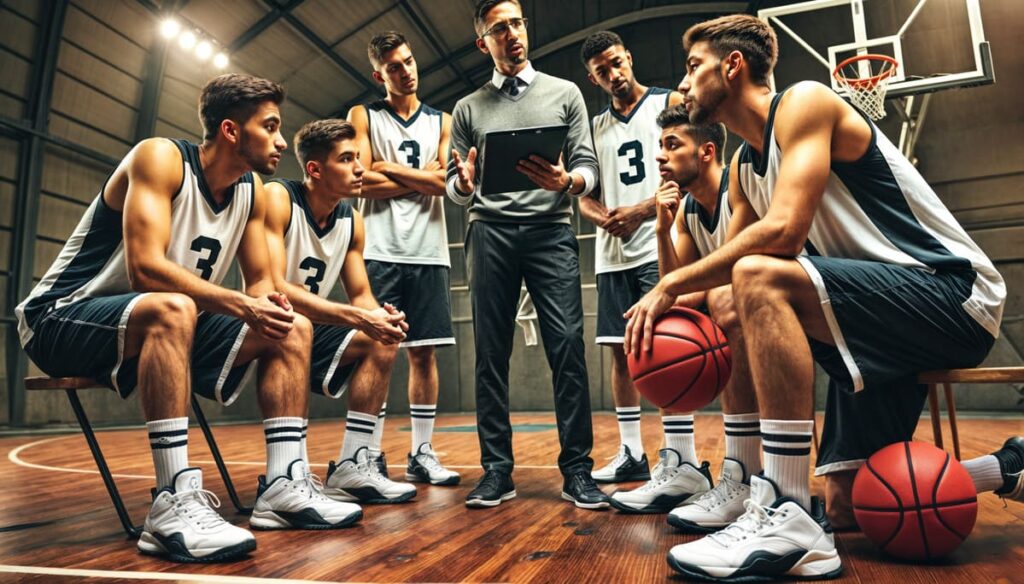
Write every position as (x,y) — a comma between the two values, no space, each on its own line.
(315,256)
(708,231)
(204,239)
(626,149)
(879,208)
(409,229)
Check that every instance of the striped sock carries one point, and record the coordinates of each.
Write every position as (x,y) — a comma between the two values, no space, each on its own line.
(422,424)
(305,431)
(629,429)
(168,440)
(679,436)
(378,431)
(284,445)
(787,457)
(743,440)
(358,433)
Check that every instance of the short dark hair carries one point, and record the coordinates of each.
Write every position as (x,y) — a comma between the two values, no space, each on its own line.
(676,115)
(383,43)
(234,97)
(315,140)
(483,8)
(598,43)
(739,32)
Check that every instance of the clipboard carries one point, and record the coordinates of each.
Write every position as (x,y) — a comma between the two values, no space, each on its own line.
(504,149)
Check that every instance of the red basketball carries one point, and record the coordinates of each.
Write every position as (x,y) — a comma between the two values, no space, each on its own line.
(914,501)
(688,365)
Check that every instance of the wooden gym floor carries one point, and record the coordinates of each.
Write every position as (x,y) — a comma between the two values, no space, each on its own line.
(57,524)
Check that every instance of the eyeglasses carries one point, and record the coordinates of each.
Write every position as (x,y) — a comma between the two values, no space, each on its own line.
(501,29)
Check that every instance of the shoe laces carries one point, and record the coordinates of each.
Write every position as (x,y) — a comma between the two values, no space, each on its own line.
(721,494)
(490,479)
(659,476)
(198,506)
(619,459)
(755,518)
(311,485)
(430,461)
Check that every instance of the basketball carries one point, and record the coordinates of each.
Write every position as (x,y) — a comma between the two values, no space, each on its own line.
(688,365)
(914,501)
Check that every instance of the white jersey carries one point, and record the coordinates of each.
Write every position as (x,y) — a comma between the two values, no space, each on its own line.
(626,149)
(204,239)
(315,256)
(408,229)
(880,208)
(708,231)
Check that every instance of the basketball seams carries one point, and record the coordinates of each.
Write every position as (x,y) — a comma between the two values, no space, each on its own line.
(693,380)
(899,503)
(935,497)
(917,498)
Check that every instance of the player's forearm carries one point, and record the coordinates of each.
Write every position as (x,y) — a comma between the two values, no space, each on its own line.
(425,182)
(593,210)
(668,261)
(260,287)
(649,207)
(693,299)
(166,276)
(320,310)
(380,186)
(364,301)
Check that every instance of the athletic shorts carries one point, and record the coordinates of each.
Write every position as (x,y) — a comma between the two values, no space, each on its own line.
(422,292)
(616,293)
(327,376)
(891,322)
(86,339)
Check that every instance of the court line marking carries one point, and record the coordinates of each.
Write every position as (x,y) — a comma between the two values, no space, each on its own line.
(15,457)
(173,576)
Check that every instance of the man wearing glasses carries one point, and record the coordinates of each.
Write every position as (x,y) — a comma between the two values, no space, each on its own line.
(524,235)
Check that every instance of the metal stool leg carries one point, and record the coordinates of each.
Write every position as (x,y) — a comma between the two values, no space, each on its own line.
(228,484)
(101,464)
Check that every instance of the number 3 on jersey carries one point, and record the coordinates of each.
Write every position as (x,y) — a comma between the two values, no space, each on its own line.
(412,152)
(637,173)
(317,268)
(205,264)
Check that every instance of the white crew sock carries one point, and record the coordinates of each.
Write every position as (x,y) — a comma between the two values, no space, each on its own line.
(787,457)
(358,433)
(284,445)
(422,425)
(305,431)
(679,436)
(985,472)
(378,432)
(629,429)
(743,440)
(168,440)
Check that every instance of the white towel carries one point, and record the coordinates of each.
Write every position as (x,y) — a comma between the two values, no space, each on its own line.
(526,318)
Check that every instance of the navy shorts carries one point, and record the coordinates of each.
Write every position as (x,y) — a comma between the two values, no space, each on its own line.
(616,293)
(327,376)
(86,339)
(891,322)
(422,292)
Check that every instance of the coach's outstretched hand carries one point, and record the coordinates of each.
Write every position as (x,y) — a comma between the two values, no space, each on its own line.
(385,325)
(550,177)
(271,316)
(466,169)
(642,315)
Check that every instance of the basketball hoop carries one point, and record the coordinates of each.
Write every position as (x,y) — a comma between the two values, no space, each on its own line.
(867,93)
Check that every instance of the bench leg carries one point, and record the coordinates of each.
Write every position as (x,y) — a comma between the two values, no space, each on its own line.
(951,412)
(228,484)
(101,464)
(933,408)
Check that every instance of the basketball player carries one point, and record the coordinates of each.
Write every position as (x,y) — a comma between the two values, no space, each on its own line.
(626,261)
(405,142)
(891,285)
(315,237)
(134,299)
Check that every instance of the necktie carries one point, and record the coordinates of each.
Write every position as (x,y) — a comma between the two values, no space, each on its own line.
(511,86)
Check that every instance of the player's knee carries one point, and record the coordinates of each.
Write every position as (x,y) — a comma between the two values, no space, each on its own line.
(421,357)
(723,308)
(170,314)
(618,358)
(383,353)
(300,338)
(754,275)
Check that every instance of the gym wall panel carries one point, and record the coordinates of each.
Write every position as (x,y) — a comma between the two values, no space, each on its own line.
(20,32)
(46,252)
(71,175)
(90,70)
(61,217)
(90,107)
(7,195)
(104,41)
(224,21)
(71,129)
(15,76)
(11,107)
(9,150)
(127,18)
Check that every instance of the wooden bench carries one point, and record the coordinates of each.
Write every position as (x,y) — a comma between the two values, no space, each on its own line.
(946,378)
(71,386)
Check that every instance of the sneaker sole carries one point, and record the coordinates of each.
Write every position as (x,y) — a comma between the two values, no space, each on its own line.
(148,545)
(268,520)
(492,502)
(340,495)
(601,505)
(830,568)
(667,504)
(448,482)
(687,526)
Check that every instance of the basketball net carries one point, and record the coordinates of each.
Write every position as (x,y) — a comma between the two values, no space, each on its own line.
(867,93)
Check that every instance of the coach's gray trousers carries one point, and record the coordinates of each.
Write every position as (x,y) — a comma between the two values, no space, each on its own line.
(501,256)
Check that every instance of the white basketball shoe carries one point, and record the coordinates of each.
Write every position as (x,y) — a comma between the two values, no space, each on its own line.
(718,507)
(182,525)
(672,482)
(297,501)
(357,479)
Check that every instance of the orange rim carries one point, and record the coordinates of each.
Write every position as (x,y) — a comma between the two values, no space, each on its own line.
(864,83)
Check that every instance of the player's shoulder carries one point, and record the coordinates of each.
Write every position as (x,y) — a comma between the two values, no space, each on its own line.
(158,159)
(807,98)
